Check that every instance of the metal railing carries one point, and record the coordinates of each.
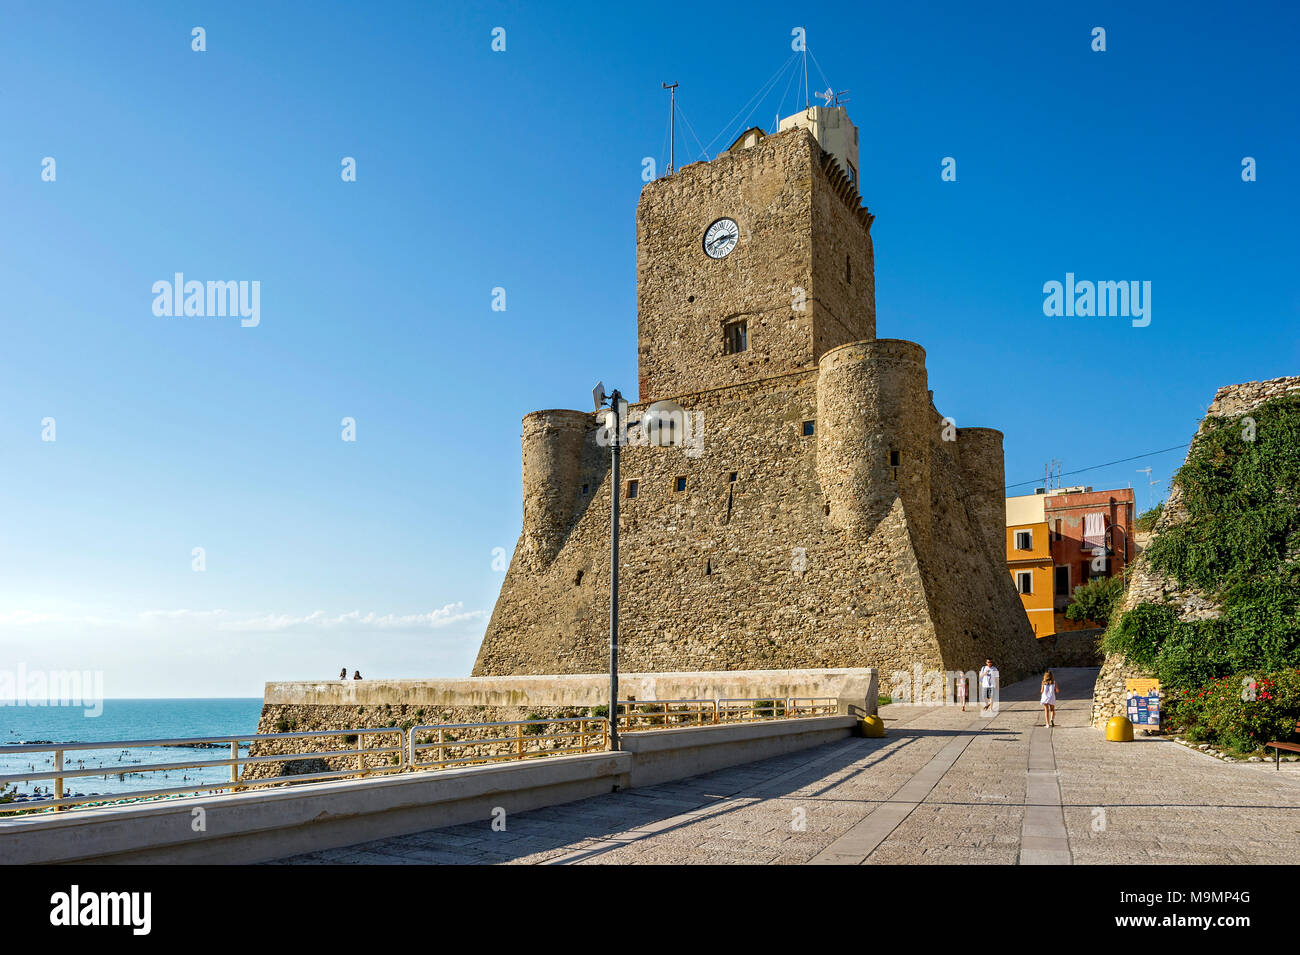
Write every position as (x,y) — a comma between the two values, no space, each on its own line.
(812,706)
(520,739)
(750,709)
(452,744)
(637,715)
(60,772)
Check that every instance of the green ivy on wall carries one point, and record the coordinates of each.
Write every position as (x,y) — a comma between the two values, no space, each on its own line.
(1240,544)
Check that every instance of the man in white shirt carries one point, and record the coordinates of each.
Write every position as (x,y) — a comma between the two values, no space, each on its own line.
(989,677)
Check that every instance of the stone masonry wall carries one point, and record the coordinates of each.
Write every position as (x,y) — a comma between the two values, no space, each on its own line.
(754,572)
(1147,585)
(843,290)
(780,196)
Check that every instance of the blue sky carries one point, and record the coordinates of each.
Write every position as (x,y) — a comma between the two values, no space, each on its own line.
(521,169)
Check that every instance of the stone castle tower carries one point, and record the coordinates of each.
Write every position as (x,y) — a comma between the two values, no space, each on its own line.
(825,515)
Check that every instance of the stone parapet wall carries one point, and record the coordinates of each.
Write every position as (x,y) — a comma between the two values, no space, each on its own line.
(577,689)
(1075,648)
(376,704)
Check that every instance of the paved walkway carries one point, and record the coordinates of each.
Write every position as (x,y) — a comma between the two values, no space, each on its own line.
(943,786)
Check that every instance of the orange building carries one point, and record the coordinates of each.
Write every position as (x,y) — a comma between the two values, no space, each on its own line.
(1029,558)
(1091,537)
(1073,535)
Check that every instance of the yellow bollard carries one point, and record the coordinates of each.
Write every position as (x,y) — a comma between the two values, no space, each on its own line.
(1119,730)
(872,727)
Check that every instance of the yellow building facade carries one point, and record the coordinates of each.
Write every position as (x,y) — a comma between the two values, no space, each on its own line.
(1029,558)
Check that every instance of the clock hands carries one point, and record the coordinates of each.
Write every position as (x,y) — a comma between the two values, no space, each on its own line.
(722,241)
(721,237)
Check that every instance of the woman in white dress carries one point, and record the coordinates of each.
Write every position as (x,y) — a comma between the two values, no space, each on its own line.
(1048,698)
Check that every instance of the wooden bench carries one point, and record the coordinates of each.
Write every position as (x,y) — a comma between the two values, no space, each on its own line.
(1277,748)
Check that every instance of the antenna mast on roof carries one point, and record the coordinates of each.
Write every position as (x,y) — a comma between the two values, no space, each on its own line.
(833,98)
(1052,474)
(806,91)
(672,115)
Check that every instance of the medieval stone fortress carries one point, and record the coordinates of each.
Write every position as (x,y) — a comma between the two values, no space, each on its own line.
(825,513)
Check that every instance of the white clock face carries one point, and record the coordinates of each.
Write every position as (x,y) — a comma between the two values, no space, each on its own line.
(721,237)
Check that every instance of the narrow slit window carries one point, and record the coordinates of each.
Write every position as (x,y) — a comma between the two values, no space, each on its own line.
(809,428)
(633,487)
(848,270)
(681,484)
(735,337)
(732,479)
(584,489)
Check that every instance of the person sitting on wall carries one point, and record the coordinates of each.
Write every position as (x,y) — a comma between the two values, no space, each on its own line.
(343,674)
(356,675)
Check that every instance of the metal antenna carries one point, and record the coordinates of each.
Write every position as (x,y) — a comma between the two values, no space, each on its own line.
(805,74)
(1051,473)
(672,116)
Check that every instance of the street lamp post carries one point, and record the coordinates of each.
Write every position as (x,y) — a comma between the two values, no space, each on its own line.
(614,493)
(664,426)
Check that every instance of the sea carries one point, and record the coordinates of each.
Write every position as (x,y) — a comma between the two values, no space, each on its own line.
(121,719)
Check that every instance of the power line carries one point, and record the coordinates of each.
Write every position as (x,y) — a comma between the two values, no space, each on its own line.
(1094,467)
